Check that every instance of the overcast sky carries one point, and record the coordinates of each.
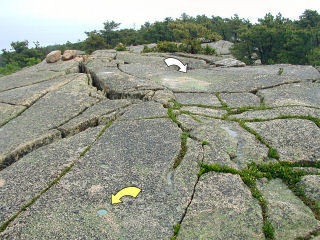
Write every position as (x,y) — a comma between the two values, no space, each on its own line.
(58,21)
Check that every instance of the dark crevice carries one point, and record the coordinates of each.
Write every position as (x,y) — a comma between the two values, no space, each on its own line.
(261,98)
(112,116)
(112,94)
(12,104)
(176,232)
(18,153)
(276,85)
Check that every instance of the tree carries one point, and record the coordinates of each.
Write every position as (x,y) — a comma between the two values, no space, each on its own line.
(309,18)
(108,32)
(94,42)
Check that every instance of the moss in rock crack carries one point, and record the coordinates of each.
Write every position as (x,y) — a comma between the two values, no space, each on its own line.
(313,119)
(176,229)
(176,105)
(268,230)
(282,170)
(33,200)
(223,104)
(272,153)
(204,143)
(248,176)
(183,149)
(238,110)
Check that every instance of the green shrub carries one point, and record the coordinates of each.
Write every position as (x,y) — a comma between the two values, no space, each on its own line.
(314,57)
(146,49)
(208,50)
(9,68)
(121,47)
(32,61)
(165,46)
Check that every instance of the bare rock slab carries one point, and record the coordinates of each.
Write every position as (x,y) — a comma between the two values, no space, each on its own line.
(145,110)
(197,99)
(229,62)
(188,123)
(23,180)
(29,94)
(229,144)
(297,140)
(288,215)
(26,77)
(37,125)
(240,99)
(222,47)
(222,208)
(311,187)
(305,94)
(117,84)
(244,79)
(204,111)
(127,154)
(8,112)
(100,113)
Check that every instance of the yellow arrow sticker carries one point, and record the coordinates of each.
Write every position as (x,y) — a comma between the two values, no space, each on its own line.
(128,191)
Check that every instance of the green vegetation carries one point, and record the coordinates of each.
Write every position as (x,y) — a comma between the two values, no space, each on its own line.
(192,46)
(280,71)
(272,39)
(280,40)
(22,56)
(183,150)
(121,47)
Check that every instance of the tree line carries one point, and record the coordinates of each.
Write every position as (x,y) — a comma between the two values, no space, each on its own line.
(273,39)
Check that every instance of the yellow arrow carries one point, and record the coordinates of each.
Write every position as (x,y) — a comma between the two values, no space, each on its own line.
(128,191)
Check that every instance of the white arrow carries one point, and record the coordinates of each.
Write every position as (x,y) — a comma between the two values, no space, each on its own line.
(173,61)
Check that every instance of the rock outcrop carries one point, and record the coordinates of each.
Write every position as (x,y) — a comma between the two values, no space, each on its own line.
(222,47)
(219,152)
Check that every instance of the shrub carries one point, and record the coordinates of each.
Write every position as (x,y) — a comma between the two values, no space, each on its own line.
(146,49)
(165,46)
(208,50)
(9,68)
(314,57)
(121,47)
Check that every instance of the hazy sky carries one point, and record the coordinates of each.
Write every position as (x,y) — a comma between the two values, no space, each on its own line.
(57,21)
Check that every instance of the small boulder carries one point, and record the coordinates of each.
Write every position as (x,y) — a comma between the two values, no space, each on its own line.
(53,56)
(69,54)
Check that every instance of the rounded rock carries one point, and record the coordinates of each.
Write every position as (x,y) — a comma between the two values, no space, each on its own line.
(53,56)
(69,54)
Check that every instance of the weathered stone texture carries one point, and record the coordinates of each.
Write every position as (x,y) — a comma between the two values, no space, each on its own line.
(288,215)
(69,140)
(222,208)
